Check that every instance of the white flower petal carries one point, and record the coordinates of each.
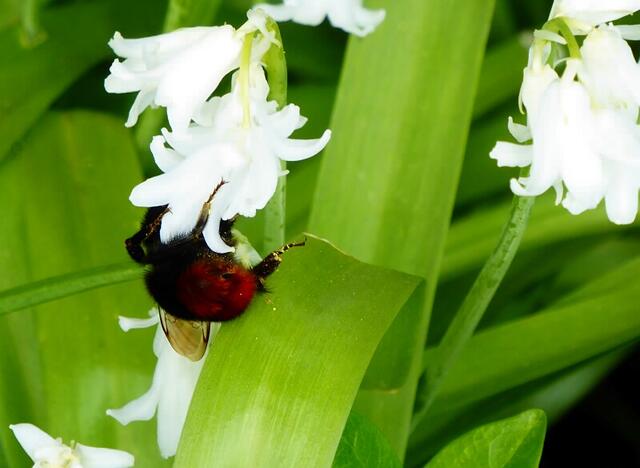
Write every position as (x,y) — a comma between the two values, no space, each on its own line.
(143,100)
(166,159)
(559,189)
(158,47)
(297,150)
(348,15)
(95,457)
(307,13)
(520,132)
(182,217)
(127,323)
(594,12)
(535,83)
(512,155)
(546,35)
(174,381)
(179,377)
(32,438)
(621,198)
(629,32)
(211,230)
(177,70)
(287,120)
(155,191)
(256,186)
(609,69)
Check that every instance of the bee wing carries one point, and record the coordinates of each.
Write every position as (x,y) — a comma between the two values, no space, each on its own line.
(188,338)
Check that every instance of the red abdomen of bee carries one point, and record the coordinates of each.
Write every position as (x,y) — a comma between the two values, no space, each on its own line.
(216,291)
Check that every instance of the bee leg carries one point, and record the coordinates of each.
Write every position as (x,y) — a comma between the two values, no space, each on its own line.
(271,262)
(204,213)
(150,225)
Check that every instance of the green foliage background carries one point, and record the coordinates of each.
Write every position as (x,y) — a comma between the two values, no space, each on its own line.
(405,185)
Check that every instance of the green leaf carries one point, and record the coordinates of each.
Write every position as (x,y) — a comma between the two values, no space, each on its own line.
(472,238)
(37,293)
(362,446)
(279,382)
(599,318)
(555,394)
(511,443)
(388,179)
(64,363)
(32,78)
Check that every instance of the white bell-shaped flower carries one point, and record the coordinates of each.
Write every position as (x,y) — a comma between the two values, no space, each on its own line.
(583,126)
(609,70)
(174,382)
(45,451)
(562,149)
(223,146)
(349,15)
(619,144)
(177,70)
(585,14)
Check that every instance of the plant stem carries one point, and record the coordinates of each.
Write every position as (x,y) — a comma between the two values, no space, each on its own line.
(560,26)
(244,80)
(475,304)
(275,211)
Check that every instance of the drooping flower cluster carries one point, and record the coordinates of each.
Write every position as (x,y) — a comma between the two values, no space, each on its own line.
(348,15)
(582,104)
(239,138)
(45,451)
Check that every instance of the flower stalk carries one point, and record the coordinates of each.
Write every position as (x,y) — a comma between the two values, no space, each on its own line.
(276,210)
(475,303)
(560,26)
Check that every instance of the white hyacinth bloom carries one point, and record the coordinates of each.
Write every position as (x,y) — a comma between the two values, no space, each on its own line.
(585,14)
(583,126)
(177,70)
(174,382)
(562,150)
(223,147)
(609,70)
(47,452)
(349,15)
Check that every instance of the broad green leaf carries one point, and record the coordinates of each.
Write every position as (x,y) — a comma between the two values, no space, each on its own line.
(511,443)
(388,178)
(37,293)
(598,319)
(554,394)
(77,34)
(279,382)
(363,446)
(64,363)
